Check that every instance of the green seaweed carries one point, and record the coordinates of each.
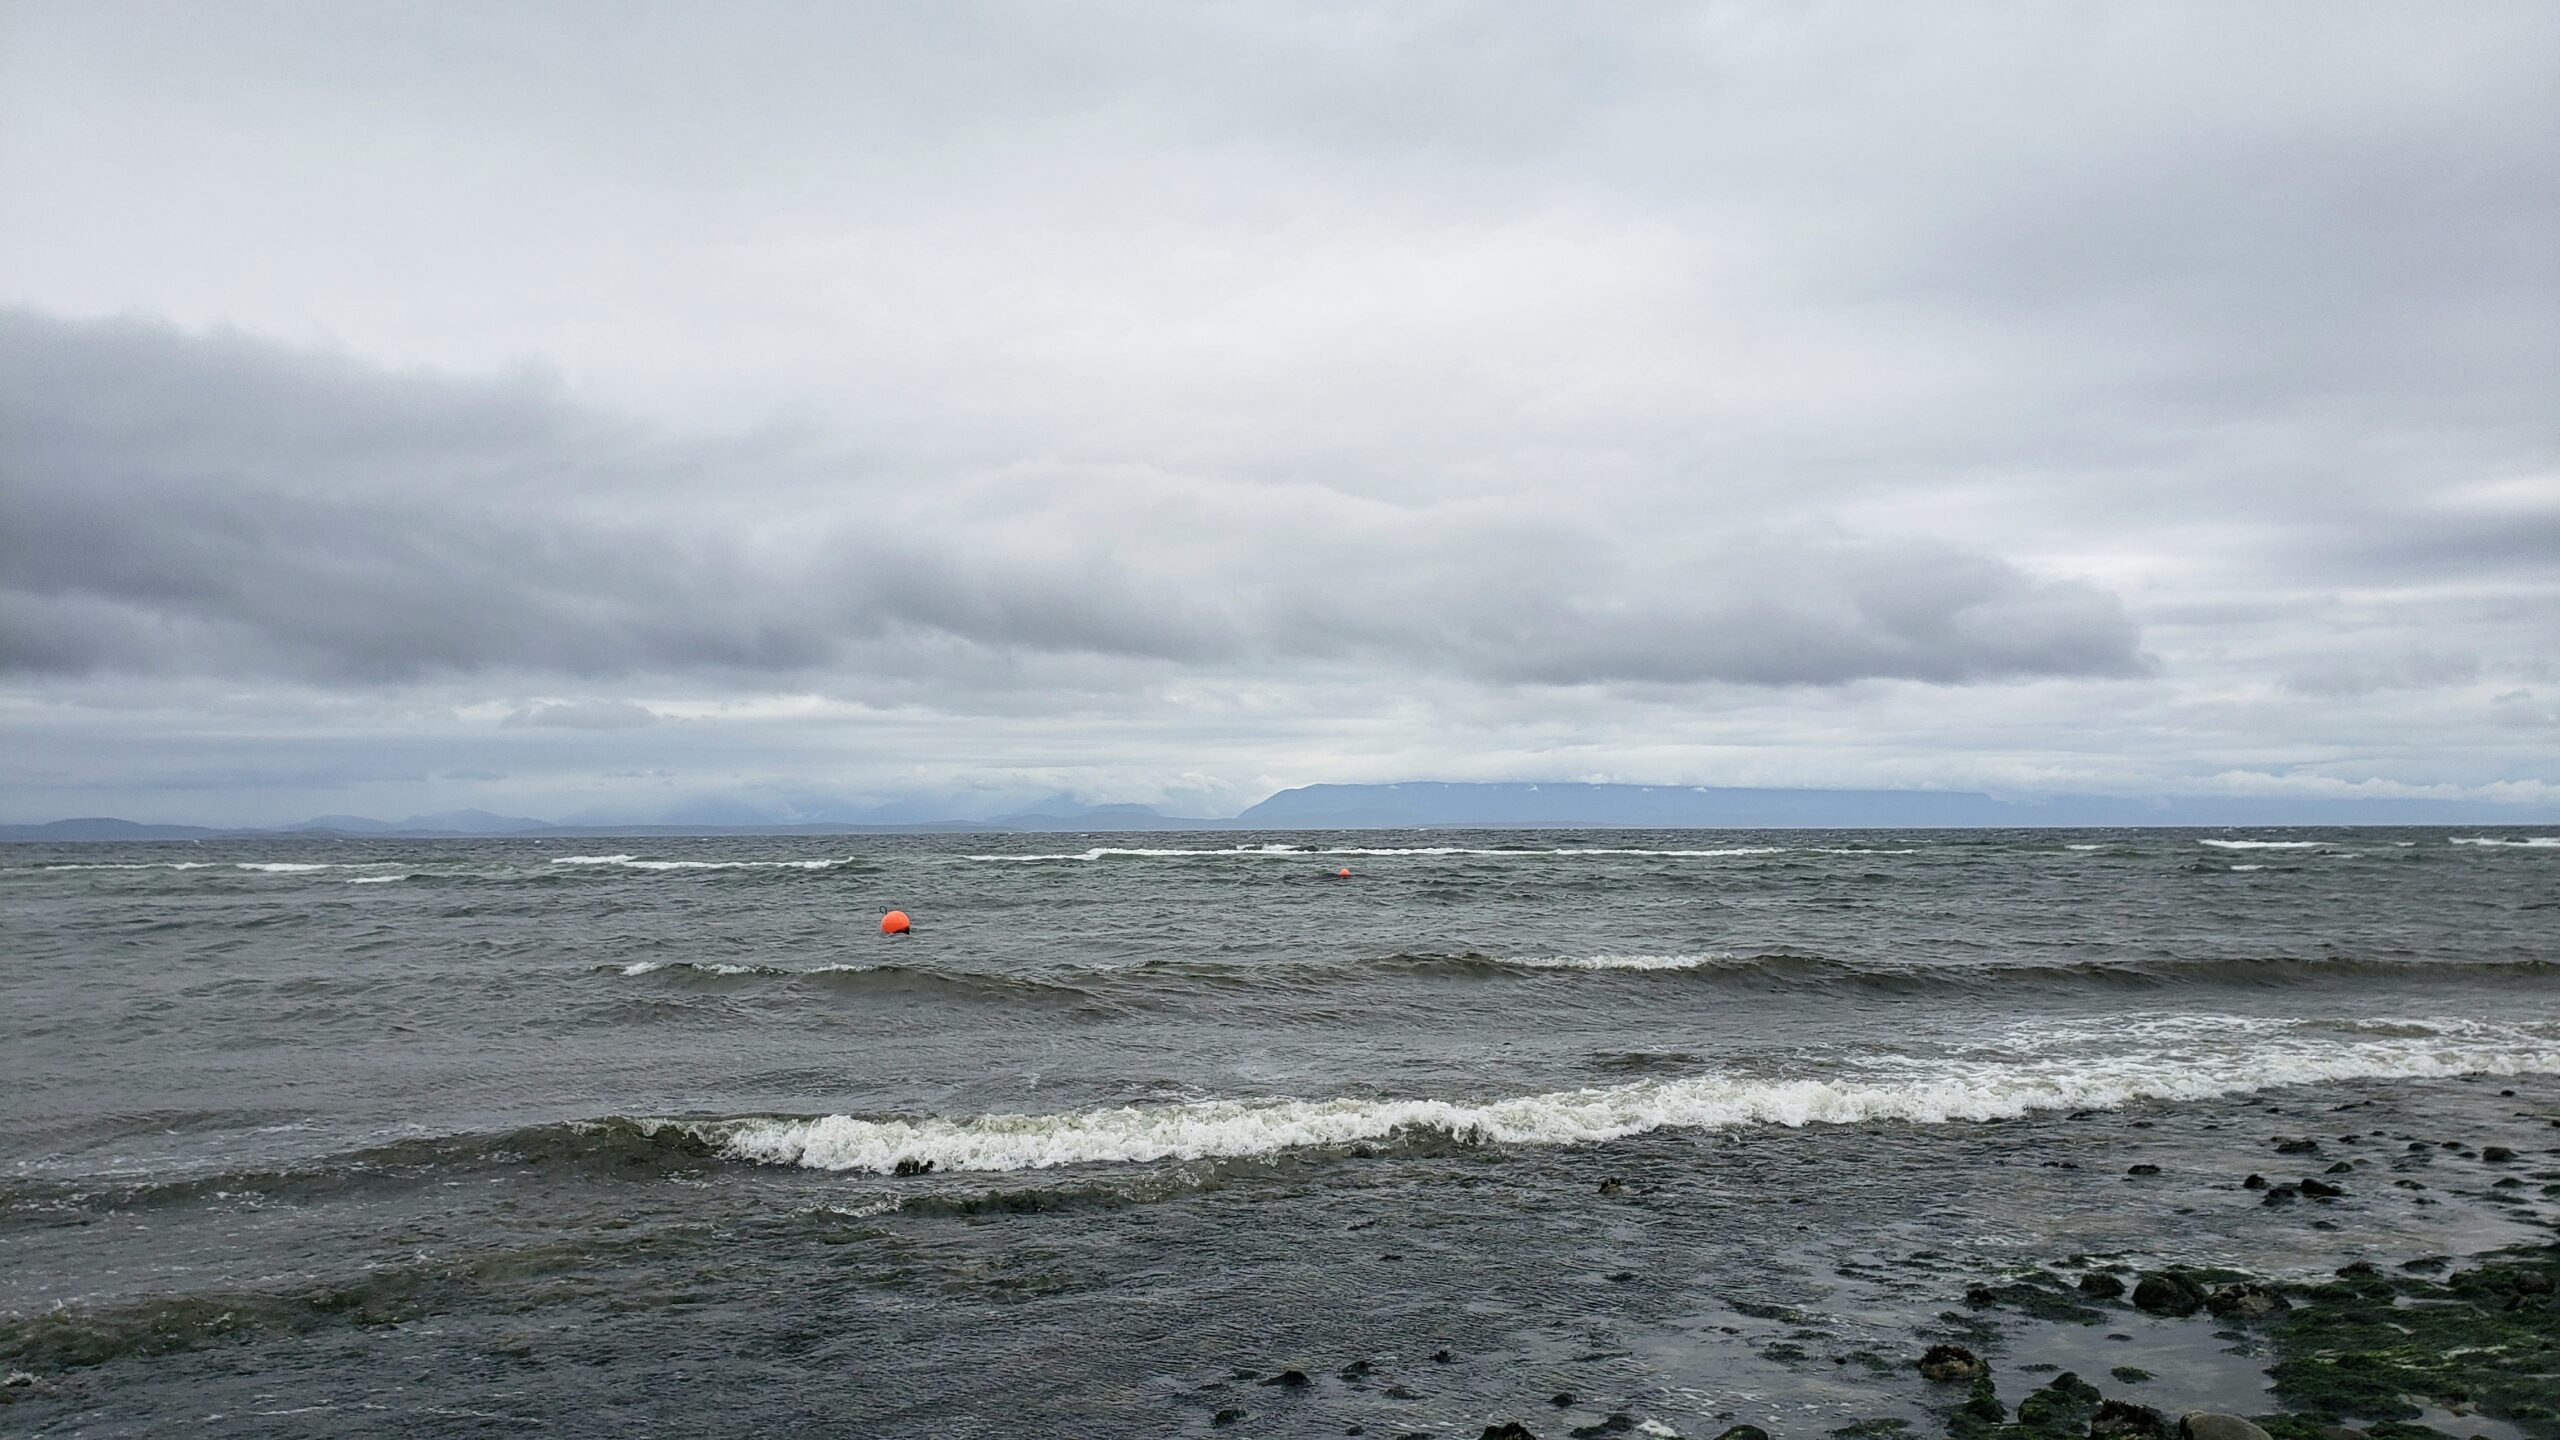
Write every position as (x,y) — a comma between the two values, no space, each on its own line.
(2363,1345)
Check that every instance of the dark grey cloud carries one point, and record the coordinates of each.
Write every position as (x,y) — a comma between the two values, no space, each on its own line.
(208,505)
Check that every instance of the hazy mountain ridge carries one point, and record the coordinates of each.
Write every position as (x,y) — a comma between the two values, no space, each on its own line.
(1447,804)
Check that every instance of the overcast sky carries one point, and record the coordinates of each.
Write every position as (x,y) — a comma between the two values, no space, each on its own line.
(638,411)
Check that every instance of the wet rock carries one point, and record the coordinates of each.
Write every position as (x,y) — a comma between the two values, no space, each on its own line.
(1289,1379)
(2497,1154)
(2320,1189)
(2142,1170)
(1744,1432)
(2062,1404)
(2282,1195)
(2131,1374)
(1507,1430)
(2099,1285)
(1614,1424)
(1226,1417)
(2254,1182)
(2298,1145)
(2207,1425)
(913,1166)
(1354,1370)
(2162,1293)
(2341,1168)
(1613,1186)
(2124,1420)
(1951,1364)
(1562,1399)
(2245,1302)
(1442,1357)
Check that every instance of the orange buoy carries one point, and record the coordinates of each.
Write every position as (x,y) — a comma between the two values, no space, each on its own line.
(894,923)
(1343,874)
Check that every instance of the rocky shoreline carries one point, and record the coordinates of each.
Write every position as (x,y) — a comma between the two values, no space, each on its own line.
(2413,1347)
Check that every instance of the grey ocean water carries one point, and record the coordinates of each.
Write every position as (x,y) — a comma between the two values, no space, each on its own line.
(572,1137)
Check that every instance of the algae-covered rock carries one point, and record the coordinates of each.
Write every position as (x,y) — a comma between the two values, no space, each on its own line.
(2208,1425)
(2162,1292)
(2124,1420)
(2372,1347)
(2061,1408)
(1951,1364)
(2245,1302)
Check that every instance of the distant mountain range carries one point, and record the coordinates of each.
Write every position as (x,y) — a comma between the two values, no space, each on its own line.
(1438,804)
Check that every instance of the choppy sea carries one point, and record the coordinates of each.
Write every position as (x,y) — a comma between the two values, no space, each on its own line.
(310,1137)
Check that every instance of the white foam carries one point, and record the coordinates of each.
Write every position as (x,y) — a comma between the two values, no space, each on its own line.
(2529,842)
(2262,844)
(643,967)
(281,867)
(376,879)
(1920,1093)
(1622,962)
(634,862)
(137,865)
(2084,847)
(2239,869)
(1293,852)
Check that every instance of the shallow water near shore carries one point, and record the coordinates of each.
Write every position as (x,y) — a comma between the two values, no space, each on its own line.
(577,1137)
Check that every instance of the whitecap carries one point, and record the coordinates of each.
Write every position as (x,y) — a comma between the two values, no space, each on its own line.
(633,862)
(2529,842)
(136,865)
(1623,962)
(2263,844)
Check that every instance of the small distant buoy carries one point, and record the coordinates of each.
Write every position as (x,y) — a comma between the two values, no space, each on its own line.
(1342,874)
(894,923)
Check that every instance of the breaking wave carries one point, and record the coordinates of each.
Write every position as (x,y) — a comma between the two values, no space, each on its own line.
(634,862)
(1298,852)
(2527,842)
(2265,844)
(907,981)
(1950,1091)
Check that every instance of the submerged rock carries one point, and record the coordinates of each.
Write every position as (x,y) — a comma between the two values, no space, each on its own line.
(2101,1286)
(1507,1430)
(2497,1154)
(2320,1189)
(1951,1364)
(1288,1379)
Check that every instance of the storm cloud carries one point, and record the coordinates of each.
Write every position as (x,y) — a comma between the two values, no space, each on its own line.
(545,410)
(184,505)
